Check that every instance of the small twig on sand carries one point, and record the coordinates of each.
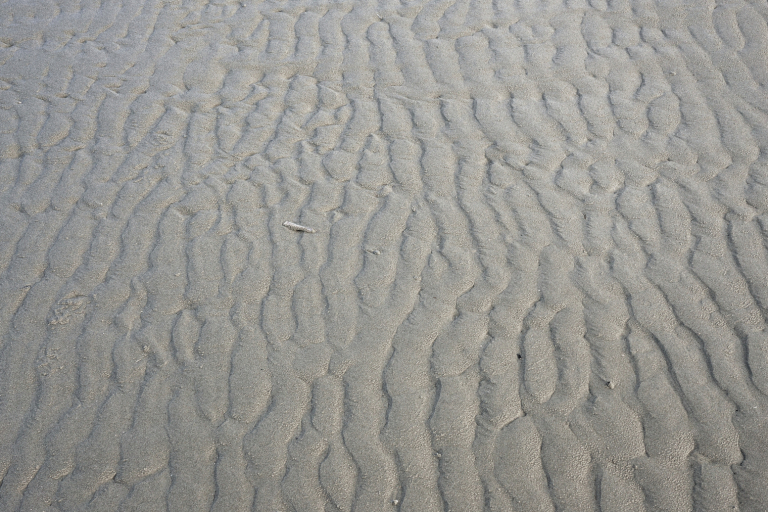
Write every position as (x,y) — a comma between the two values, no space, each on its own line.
(297,227)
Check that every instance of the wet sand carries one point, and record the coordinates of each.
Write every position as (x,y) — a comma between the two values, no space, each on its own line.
(374,256)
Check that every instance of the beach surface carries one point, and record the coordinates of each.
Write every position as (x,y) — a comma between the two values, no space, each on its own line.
(371,256)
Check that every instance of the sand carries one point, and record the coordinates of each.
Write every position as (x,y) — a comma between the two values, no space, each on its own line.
(447,255)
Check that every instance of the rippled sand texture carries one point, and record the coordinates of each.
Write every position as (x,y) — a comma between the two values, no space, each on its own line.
(538,279)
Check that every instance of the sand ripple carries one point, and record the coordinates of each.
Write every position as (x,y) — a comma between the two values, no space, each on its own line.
(526,264)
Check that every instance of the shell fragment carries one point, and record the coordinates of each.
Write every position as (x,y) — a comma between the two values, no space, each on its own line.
(297,227)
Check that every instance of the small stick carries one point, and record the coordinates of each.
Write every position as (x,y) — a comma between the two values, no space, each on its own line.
(297,227)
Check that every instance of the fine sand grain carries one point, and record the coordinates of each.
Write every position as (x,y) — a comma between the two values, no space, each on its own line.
(322,256)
